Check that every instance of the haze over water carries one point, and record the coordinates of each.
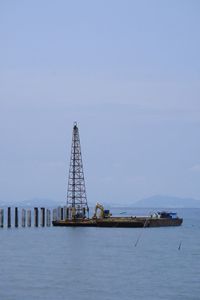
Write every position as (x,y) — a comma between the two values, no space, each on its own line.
(102,263)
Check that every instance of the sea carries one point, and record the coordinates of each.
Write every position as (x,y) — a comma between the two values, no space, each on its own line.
(58,263)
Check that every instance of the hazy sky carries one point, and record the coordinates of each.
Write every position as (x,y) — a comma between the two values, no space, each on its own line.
(127,71)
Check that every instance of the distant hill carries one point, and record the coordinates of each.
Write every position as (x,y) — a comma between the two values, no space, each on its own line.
(161,201)
(157,201)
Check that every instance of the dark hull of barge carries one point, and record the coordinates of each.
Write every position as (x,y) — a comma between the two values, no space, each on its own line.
(134,222)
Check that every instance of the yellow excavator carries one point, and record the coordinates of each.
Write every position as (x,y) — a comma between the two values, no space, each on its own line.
(104,213)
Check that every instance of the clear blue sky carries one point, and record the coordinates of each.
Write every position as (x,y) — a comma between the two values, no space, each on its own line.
(127,71)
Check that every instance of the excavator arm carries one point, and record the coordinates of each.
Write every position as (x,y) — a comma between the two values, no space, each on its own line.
(103,213)
(98,207)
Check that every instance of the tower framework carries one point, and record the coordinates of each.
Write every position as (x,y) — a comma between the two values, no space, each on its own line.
(76,192)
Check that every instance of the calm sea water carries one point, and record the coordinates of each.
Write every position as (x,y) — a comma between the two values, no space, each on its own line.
(102,263)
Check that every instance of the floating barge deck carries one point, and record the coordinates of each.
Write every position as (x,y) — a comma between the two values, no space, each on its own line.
(133,222)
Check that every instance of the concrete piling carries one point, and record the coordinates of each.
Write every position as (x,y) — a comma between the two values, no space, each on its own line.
(16,217)
(23,218)
(54,214)
(61,213)
(35,216)
(42,216)
(64,213)
(48,218)
(29,218)
(9,217)
(67,213)
(1,218)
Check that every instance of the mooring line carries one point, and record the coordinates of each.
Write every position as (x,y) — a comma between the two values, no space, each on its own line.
(140,235)
(179,247)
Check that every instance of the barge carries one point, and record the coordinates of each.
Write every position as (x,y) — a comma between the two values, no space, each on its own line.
(160,219)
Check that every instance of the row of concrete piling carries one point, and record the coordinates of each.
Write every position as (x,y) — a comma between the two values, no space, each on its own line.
(37,217)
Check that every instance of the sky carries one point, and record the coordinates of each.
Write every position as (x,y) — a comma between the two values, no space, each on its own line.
(127,71)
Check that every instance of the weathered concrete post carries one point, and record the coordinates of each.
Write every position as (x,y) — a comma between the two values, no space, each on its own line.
(65,213)
(55,214)
(36,216)
(48,218)
(42,216)
(16,217)
(9,217)
(61,213)
(29,218)
(1,218)
(23,218)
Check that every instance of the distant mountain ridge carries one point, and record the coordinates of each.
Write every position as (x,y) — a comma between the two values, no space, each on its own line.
(168,202)
(156,201)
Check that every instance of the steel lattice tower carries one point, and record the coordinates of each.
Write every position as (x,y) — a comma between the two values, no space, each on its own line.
(76,193)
